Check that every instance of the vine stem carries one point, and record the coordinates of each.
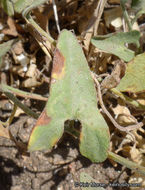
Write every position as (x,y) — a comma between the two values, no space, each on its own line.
(121,128)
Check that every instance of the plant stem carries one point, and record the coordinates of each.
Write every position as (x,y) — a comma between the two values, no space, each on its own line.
(121,128)
(129,164)
(6,88)
(125,14)
(27,110)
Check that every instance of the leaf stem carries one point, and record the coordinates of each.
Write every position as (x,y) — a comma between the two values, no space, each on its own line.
(27,110)
(5,88)
(129,164)
(121,128)
(125,14)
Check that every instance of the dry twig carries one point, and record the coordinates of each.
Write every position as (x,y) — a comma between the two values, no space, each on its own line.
(121,128)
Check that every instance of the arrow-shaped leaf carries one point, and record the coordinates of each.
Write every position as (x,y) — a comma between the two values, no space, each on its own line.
(4,48)
(72,97)
(134,79)
(115,44)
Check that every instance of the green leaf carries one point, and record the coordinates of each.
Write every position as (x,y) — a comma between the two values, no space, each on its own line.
(127,99)
(138,5)
(4,48)
(89,183)
(115,44)
(72,97)
(134,79)
(11,6)
(20,5)
(7,5)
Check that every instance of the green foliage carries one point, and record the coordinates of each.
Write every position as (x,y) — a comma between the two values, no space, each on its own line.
(138,5)
(11,6)
(127,99)
(20,5)
(7,5)
(72,97)
(115,44)
(134,79)
(4,48)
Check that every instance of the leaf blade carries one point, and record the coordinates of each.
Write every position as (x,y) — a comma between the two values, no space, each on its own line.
(115,44)
(133,81)
(72,96)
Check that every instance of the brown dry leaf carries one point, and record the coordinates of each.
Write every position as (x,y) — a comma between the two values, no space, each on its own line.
(123,115)
(31,71)
(21,59)
(137,178)
(3,78)
(114,79)
(136,155)
(113,17)
(141,101)
(18,48)
(123,144)
(140,139)
(42,19)
(31,82)
(87,39)
(18,112)
(135,26)
(103,63)
(12,28)
(114,1)
(99,61)
(4,132)
(19,70)
(85,16)
(126,150)
(88,21)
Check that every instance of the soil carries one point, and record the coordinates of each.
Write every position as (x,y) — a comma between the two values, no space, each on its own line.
(59,169)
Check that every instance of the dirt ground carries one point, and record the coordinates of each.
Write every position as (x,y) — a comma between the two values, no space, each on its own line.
(59,169)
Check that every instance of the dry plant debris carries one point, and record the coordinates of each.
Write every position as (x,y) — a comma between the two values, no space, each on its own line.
(101,27)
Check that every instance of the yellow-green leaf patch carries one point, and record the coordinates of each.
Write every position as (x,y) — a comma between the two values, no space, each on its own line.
(72,97)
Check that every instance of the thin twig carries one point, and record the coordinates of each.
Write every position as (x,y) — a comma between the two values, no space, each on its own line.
(121,128)
(98,14)
(56,15)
